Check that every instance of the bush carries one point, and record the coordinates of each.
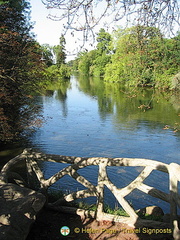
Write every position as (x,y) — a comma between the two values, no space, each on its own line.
(53,73)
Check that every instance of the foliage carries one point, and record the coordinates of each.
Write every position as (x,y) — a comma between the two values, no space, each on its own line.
(94,61)
(103,39)
(143,57)
(47,55)
(15,16)
(59,51)
(137,56)
(86,61)
(102,52)
(53,73)
(20,68)
(64,71)
(117,211)
(60,69)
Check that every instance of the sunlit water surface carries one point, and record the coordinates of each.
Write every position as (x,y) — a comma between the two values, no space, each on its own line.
(89,118)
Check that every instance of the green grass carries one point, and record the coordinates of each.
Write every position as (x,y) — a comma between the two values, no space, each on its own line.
(54,195)
(117,211)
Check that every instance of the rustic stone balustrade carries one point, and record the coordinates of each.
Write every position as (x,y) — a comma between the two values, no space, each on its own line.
(41,184)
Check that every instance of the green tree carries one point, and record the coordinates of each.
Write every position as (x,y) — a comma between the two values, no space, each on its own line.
(15,16)
(94,61)
(143,57)
(47,55)
(104,40)
(60,70)
(102,53)
(20,68)
(85,62)
(60,51)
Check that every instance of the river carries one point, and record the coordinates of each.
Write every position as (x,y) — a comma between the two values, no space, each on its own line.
(87,117)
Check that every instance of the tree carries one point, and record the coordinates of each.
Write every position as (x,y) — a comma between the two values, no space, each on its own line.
(20,68)
(60,51)
(103,51)
(94,61)
(86,61)
(82,15)
(15,15)
(47,55)
(143,57)
(104,40)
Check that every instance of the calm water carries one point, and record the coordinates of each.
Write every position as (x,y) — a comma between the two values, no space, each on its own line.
(90,118)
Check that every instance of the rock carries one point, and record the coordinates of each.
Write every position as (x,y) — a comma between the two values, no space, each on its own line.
(151,210)
(18,209)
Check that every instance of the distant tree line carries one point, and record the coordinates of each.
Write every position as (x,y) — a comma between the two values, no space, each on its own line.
(55,59)
(135,56)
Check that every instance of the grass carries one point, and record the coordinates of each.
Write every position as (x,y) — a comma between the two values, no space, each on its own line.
(54,195)
(117,211)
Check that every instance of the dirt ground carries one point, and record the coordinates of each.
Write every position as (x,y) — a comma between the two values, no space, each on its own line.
(49,223)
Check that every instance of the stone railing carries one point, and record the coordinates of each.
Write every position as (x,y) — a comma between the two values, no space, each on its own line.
(41,184)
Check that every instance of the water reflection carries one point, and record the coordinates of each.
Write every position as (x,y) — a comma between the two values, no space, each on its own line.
(58,92)
(130,106)
(88,117)
(61,96)
(175,100)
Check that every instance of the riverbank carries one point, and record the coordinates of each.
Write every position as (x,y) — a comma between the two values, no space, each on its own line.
(49,223)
